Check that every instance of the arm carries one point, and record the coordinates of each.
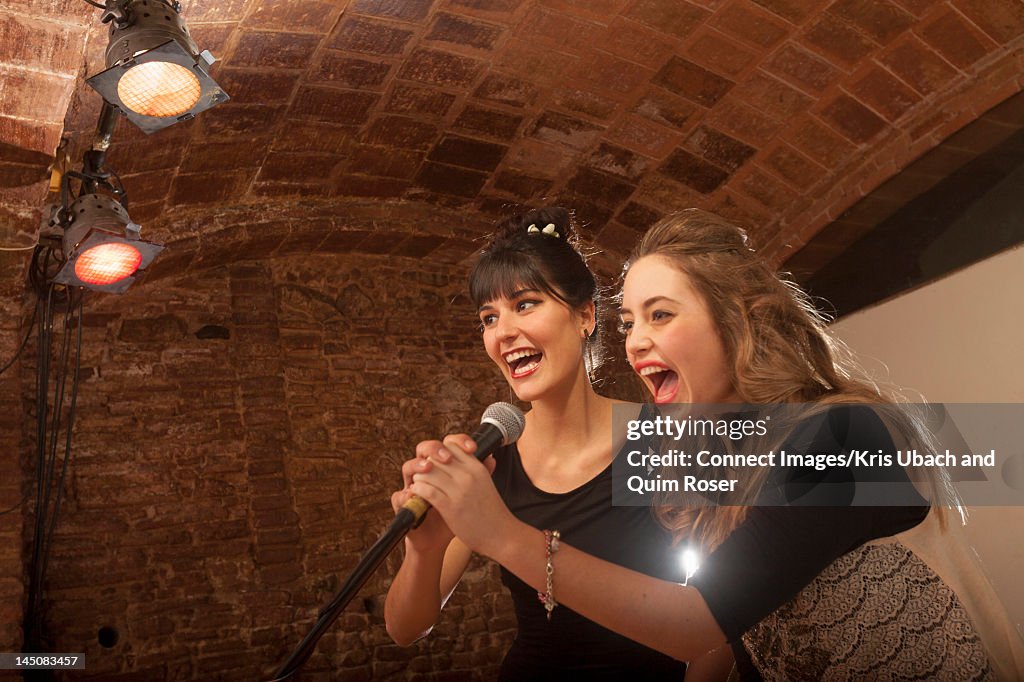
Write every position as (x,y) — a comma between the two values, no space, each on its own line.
(662,615)
(665,616)
(792,545)
(714,666)
(433,565)
(420,590)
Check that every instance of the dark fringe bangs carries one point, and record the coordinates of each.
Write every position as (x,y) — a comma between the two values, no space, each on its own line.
(500,275)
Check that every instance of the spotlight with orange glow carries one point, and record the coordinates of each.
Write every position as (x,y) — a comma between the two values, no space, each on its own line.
(101,245)
(156,75)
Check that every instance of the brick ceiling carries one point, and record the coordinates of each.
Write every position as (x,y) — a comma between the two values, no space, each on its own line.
(777,113)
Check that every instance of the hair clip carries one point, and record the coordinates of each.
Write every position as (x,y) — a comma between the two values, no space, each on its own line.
(549,230)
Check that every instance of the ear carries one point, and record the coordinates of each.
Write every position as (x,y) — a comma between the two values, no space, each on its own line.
(586,316)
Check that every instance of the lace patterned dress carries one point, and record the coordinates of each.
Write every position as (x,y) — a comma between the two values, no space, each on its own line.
(856,593)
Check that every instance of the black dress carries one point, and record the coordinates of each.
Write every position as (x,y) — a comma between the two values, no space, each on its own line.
(570,647)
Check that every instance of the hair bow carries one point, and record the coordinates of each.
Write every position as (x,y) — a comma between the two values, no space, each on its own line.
(549,230)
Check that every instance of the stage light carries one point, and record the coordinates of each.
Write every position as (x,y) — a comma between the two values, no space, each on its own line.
(107,263)
(101,246)
(156,75)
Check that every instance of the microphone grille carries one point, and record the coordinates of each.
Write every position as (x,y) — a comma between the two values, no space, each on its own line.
(508,418)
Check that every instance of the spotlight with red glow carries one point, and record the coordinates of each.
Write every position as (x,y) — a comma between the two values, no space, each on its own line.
(156,75)
(101,245)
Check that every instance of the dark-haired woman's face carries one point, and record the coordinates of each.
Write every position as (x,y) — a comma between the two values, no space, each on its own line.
(536,341)
(671,340)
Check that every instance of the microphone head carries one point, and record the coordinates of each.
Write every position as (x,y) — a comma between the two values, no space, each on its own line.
(507,418)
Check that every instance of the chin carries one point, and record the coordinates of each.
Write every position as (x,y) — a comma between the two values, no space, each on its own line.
(528,393)
(525,396)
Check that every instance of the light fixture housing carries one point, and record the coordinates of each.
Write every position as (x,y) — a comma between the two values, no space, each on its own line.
(101,246)
(156,75)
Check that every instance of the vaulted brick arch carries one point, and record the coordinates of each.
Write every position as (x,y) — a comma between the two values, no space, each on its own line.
(366,148)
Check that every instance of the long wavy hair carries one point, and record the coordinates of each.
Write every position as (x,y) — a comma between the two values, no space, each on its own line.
(777,347)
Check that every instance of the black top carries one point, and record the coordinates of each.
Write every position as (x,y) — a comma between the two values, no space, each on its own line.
(570,647)
(779,550)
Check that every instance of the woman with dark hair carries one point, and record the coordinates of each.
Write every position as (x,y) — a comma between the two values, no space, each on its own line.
(536,302)
(830,591)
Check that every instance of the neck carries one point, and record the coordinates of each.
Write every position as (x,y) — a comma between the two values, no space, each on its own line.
(570,418)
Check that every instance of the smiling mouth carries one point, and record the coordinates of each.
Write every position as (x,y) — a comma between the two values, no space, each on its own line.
(664,382)
(523,363)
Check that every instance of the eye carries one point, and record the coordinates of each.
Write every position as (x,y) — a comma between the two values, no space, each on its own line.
(625,327)
(487,320)
(526,304)
(660,316)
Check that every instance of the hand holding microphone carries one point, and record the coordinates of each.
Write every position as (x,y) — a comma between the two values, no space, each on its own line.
(460,488)
(501,424)
(432,534)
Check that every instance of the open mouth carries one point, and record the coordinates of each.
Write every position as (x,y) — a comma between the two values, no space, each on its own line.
(664,382)
(523,362)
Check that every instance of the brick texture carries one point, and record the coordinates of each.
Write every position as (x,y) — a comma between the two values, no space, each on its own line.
(375,96)
(250,472)
(400,129)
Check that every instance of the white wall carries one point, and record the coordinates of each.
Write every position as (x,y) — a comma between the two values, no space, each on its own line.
(960,339)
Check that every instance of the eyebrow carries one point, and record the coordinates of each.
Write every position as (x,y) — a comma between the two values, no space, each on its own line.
(648,303)
(515,295)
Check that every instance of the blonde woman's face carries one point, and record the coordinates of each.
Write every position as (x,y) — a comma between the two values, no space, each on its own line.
(671,340)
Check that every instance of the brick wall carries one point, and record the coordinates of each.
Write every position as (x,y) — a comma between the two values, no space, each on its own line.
(239,432)
(12,418)
(41,54)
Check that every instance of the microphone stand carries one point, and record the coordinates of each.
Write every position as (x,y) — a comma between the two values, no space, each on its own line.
(405,520)
(502,424)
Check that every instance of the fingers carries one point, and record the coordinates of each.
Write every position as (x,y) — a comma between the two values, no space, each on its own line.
(460,443)
(427,452)
(428,448)
(436,496)
(414,466)
(399,498)
(435,472)
(437,451)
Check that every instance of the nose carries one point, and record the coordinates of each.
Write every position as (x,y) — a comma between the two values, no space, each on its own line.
(505,327)
(639,340)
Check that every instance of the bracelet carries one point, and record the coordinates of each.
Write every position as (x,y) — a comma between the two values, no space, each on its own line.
(551,538)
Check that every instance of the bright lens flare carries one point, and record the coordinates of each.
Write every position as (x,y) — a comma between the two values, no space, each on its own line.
(107,263)
(690,561)
(159,89)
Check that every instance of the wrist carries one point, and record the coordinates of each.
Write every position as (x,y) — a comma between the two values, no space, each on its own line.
(511,542)
(425,552)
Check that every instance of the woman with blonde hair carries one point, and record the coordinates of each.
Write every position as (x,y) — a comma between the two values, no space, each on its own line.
(800,580)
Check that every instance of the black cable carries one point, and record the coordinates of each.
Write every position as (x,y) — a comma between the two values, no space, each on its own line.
(95,4)
(58,402)
(119,191)
(45,520)
(67,440)
(24,341)
(43,509)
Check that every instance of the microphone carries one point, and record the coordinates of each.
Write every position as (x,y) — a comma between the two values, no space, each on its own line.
(502,424)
